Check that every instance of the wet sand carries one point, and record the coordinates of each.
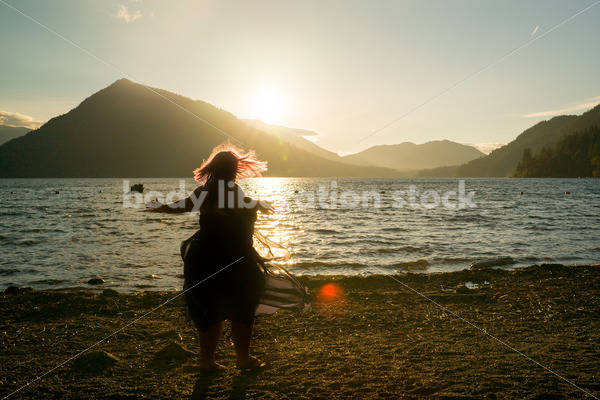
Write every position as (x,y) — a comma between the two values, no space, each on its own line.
(379,340)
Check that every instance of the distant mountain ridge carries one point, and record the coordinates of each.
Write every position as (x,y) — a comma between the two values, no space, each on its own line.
(503,162)
(8,133)
(404,156)
(125,130)
(408,156)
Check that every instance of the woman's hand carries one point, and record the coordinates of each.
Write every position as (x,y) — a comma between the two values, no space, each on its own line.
(153,206)
(265,207)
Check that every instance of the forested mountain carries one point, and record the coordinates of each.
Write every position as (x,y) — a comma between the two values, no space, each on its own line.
(576,155)
(8,133)
(409,156)
(503,162)
(126,130)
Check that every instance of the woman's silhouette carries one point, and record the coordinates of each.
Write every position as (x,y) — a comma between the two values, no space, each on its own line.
(223,272)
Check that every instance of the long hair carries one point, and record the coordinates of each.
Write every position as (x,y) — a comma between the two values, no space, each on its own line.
(228,163)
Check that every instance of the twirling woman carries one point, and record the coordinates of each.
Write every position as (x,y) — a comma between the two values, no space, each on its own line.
(223,272)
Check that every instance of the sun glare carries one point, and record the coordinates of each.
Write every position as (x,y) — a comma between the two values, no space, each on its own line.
(268,105)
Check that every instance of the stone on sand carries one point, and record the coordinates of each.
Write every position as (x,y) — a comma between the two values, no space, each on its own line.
(109,293)
(16,289)
(94,362)
(173,352)
(462,289)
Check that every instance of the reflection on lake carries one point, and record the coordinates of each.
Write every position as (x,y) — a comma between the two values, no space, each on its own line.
(50,240)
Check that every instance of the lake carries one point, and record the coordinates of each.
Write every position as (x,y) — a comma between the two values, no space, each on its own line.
(346,226)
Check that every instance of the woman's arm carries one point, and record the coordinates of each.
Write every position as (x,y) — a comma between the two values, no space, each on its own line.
(263,206)
(251,205)
(191,203)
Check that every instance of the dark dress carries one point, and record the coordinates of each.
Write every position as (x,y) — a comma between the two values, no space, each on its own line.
(224,287)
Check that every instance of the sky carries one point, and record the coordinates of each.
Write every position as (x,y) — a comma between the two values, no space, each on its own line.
(360,73)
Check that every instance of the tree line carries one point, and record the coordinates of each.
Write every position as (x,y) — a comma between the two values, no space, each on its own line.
(576,155)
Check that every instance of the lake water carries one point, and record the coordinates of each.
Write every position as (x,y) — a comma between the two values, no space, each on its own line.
(50,240)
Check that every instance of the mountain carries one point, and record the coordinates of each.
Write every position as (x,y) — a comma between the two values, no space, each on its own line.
(126,130)
(8,133)
(576,155)
(294,136)
(403,156)
(503,162)
(409,156)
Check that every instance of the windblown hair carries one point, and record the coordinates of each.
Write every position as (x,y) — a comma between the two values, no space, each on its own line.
(228,163)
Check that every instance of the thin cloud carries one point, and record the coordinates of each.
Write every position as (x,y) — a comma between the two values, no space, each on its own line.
(534,31)
(313,138)
(573,108)
(8,118)
(486,148)
(126,15)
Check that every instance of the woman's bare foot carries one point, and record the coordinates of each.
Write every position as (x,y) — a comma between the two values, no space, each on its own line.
(211,366)
(250,363)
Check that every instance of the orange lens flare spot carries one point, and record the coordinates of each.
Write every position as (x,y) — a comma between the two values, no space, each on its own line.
(331,292)
(332,301)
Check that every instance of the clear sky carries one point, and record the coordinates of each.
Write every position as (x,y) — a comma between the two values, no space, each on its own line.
(342,68)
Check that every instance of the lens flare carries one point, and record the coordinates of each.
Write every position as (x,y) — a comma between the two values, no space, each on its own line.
(332,301)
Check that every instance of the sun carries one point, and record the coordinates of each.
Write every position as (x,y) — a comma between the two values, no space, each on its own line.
(268,105)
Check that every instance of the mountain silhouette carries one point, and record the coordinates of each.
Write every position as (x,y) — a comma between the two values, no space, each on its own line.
(126,130)
(404,156)
(8,133)
(503,162)
(409,156)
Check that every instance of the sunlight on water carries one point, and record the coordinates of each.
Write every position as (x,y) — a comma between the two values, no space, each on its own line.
(50,240)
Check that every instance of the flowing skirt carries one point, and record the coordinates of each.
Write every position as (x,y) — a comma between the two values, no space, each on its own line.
(227,287)
(221,282)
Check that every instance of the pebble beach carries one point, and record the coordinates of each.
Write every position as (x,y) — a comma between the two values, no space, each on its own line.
(528,333)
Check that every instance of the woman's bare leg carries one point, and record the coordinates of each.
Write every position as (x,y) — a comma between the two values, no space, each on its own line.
(209,340)
(241,334)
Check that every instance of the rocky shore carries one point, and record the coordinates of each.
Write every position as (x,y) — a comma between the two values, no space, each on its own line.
(530,333)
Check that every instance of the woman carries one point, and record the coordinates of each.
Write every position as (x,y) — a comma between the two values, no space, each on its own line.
(223,272)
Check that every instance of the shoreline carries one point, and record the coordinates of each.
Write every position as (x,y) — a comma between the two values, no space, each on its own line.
(411,268)
(416,269)
(379,339)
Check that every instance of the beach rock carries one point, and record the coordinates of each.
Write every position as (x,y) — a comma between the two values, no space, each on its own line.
(462,289)
(16,289)
(138,187)
(495,262)
(94,362)
(172,353)
(109,293)
(96,281)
